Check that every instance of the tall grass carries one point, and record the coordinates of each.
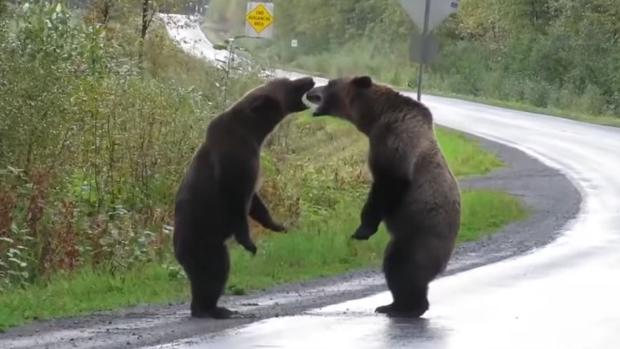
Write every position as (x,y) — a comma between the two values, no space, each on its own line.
(94,137)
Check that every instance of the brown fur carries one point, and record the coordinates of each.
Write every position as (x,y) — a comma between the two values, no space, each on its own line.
(413,190)
(218,192)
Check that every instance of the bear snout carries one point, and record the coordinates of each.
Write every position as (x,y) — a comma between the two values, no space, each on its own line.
(311,100)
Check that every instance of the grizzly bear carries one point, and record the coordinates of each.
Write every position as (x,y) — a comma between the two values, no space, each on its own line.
(413,191)
(218,191)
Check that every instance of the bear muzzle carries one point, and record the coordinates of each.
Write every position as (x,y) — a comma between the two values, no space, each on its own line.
(312,99)
(308,103)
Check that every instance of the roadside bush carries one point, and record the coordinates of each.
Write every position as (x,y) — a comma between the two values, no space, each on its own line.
(92,141)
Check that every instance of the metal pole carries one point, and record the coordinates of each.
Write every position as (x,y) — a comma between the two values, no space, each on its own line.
(231,48)
(427,11)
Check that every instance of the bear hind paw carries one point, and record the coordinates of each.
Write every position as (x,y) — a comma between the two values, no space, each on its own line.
(393,311)
(214,313)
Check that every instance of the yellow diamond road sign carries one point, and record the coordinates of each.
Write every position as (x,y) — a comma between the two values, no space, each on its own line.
(259,19)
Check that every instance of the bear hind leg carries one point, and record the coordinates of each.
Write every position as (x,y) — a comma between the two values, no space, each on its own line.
(409,309)
(208,275)
(407,280)
(214,313)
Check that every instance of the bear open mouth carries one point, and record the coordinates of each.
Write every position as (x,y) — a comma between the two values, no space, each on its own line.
(307,103)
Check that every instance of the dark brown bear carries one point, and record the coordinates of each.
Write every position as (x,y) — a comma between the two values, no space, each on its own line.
(413,190)
(219,190)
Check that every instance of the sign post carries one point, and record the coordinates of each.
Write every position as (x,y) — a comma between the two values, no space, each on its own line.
(427,10)
(259,20)
(426,18)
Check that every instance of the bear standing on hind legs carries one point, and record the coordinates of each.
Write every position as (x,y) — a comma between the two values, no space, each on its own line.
(219,190)
(413,190)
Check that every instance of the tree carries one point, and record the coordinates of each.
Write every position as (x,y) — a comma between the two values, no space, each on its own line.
(148,11)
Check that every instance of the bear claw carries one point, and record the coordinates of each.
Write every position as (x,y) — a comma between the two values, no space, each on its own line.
(362,233)
(278,228)
(247,244)
(251,248)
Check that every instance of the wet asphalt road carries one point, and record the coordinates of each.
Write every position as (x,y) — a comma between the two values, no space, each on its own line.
(565,295)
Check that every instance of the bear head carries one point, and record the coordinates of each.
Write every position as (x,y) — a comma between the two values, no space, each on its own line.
(336,97)
(282,96)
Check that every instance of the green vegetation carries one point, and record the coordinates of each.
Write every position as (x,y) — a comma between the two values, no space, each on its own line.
(559,56)
(96,128)
(477,221)
(465,157)
(86,291)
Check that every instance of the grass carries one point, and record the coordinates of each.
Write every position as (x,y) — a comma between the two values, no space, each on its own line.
(325,170)
(486,211)
(465,157)
(328,250)
(86,291)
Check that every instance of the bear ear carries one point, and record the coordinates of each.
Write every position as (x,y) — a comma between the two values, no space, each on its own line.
(362,81)
(262,104)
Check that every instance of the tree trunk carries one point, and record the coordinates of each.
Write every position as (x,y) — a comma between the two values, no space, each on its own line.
(146,18)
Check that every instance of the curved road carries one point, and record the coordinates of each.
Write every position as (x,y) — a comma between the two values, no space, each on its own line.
(565,295)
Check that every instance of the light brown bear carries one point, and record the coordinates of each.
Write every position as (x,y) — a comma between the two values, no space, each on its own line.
(218,192)
(413,190)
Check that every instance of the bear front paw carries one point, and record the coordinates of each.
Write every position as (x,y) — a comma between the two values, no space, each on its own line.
(248,245)
(278,228)
(363,233)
